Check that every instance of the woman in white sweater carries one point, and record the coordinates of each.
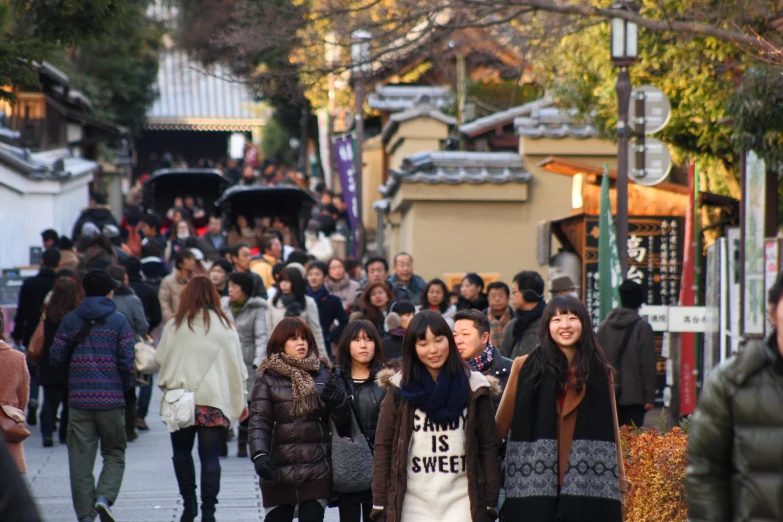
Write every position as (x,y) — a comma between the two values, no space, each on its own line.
(292,300)
(199,351)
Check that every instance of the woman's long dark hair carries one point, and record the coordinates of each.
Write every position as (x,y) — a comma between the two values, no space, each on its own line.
(65,298)
(371,312)
(200,295)
(444,304)
(351,332)
(552,361)
(298,286)
(417,330)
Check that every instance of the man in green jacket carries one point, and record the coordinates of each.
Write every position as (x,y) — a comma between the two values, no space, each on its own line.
(735,455)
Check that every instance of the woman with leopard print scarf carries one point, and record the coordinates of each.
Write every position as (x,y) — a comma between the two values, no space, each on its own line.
(289,434)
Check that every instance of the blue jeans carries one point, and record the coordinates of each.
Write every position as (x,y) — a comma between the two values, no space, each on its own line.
(145,395)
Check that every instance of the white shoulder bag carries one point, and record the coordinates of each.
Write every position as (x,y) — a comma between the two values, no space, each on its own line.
(178,407)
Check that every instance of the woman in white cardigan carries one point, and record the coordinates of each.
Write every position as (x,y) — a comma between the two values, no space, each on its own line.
(290,300)
(199,351)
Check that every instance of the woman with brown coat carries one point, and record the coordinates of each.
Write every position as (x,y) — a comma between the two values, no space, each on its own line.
(290,440)
(563,461)
(14,389)
(436,446)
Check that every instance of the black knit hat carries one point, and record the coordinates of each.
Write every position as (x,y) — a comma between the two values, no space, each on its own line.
(632,294)
(403,308)
(98,283)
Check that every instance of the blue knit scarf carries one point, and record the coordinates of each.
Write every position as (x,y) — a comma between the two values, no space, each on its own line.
(317,295)
(443,401)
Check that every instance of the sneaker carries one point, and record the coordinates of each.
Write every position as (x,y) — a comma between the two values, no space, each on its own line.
(104,511)
(48,443)
(141,424)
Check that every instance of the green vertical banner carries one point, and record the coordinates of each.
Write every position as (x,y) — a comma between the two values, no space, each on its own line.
(609,271)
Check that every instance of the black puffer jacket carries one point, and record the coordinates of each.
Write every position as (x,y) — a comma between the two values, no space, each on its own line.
(367,398)
(300,448)
(735,455)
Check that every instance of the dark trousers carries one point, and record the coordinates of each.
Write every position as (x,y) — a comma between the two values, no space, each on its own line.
(310,511)
(631,415)
(53,397)
(355,507)
(182,442)
(34,382)
(145,395)
(130,412)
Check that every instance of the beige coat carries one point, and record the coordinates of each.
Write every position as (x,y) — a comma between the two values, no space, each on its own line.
(14,391)
(211,357)
(346,289)
(171,288)
(276,313)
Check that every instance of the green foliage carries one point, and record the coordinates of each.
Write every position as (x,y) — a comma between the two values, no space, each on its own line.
(70,22)
(274,143)
(109,49)
(118,75)
(757,112)
(696,74)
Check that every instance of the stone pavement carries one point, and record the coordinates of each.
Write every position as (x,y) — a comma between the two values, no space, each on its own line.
(149,490)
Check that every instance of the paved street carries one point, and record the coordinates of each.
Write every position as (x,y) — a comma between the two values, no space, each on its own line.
(149,489)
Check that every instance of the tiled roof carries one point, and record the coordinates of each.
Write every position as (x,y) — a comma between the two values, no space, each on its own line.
(506,117)
(198,99)
(555,124)
(424,110)
(52,164)
(456,168)
(394,98)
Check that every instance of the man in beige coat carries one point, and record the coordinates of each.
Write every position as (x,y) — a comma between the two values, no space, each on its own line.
(172,285)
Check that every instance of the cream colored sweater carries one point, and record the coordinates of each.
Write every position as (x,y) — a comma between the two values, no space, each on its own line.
(185,357)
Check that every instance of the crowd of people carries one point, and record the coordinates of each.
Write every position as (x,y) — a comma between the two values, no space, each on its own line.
(355,385)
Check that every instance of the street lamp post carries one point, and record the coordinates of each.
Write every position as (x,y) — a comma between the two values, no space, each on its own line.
(361,65)
(624,54)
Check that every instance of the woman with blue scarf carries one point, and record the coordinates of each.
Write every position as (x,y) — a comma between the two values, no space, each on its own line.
(330,309)
(436,445)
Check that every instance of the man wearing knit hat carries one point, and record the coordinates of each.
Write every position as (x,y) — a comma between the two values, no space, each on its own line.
(629,345)
(96,343)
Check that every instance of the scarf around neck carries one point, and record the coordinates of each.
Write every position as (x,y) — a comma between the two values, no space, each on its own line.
(525,317)
(302,383)
(319,294)
(484,359)
(590,488)
(236,307)
(443,401)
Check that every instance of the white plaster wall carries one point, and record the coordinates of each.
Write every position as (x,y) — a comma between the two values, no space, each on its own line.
(27,207)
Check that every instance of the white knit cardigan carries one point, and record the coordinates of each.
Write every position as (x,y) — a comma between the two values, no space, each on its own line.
(186,357)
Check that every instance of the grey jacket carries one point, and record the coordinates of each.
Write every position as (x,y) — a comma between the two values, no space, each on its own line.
(129,305)
(735,458)
(253,337)
(638,375)
(529,340)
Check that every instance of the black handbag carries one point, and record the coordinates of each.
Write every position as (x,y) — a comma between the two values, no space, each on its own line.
(352,458)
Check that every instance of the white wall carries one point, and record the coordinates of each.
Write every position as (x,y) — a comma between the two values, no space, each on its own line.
(27,207)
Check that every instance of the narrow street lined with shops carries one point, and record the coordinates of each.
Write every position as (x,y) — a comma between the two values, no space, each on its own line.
(149,488)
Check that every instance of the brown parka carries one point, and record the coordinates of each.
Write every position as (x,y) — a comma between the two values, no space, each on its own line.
(299,447)
(393,437)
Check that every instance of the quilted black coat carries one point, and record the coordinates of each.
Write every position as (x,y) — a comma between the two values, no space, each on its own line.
(299,447)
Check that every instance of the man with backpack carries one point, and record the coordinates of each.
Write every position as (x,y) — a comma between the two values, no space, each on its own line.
(96,343)
(629,345)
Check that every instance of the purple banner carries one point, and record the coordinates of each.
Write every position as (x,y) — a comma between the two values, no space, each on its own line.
(343,153)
